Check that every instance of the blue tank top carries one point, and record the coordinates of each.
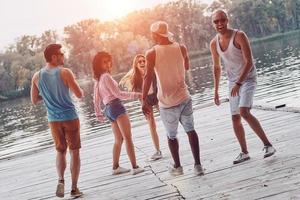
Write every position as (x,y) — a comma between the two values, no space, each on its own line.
(56,95)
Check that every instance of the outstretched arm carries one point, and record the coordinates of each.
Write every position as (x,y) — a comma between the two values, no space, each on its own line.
(34,91)
(112,86)
(216,69)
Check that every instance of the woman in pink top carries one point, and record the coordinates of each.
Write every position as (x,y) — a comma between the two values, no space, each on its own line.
(106,91)
(133,81)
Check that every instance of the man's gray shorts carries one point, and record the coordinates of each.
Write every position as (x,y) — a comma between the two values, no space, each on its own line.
(244,98)
(182,113)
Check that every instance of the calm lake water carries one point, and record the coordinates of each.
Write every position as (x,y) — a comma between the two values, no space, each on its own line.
(24,129)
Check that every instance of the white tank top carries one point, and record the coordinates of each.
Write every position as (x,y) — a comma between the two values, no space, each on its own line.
(233,61)
(170,73)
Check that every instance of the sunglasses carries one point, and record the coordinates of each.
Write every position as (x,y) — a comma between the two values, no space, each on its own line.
(141,61)
(222,20)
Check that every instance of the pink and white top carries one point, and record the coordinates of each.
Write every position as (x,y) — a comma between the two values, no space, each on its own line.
(106,90)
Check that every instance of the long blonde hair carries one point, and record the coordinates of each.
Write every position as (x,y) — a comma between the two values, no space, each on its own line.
(133,80)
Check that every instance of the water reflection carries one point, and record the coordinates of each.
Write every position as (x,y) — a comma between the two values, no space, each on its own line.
(278,64)
(24,128)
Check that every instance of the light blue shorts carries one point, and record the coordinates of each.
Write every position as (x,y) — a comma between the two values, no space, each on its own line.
(244,98)
(182,113)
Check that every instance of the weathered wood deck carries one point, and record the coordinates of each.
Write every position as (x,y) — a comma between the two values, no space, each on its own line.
(278,177)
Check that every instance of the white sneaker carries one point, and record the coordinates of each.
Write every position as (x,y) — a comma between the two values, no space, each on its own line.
(137,170)
(198,170)
(241,158)
(269,151)
(120,170)
(175,171)
(156,156)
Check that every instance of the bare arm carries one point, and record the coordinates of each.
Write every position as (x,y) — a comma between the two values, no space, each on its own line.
(150,63)
(216,64)
(34,91)
(216,69)
(185,57)
(69,79)
(243,42)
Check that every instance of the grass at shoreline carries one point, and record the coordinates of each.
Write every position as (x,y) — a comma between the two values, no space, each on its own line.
(289,34)
(10,95)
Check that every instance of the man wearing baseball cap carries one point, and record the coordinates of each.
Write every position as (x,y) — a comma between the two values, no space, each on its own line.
(169,60)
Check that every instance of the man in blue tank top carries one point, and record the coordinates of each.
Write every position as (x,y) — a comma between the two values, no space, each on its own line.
(232,46)
(52,84)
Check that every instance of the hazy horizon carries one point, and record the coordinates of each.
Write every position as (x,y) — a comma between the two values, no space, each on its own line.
(33,17)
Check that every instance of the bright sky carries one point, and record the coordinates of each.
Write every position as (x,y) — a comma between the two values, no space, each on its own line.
(33,17)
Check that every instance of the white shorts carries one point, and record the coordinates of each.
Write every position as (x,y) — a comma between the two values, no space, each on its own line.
(244,97)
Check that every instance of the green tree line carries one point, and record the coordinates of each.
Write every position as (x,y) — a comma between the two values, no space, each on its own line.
(189,20)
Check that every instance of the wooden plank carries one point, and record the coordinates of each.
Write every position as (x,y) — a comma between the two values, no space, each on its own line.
(32,175)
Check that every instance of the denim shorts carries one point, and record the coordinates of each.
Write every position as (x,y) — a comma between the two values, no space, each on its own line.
(182,113)
(114,109)
(244,97)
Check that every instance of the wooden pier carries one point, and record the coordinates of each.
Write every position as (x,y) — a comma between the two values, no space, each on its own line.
(278,177)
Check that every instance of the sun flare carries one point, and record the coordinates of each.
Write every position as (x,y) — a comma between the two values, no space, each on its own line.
(114,9)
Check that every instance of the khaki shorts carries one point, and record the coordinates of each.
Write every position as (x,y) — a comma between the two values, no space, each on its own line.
(66,134)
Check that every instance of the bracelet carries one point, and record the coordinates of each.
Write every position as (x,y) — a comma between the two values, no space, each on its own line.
(239,84)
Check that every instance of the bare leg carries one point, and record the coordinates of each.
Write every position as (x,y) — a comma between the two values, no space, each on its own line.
(75,167)
(239,132)
(152,126)
(174,147)
(255,125)
(194,143)
(117,145)
(125,129)
(61,164)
